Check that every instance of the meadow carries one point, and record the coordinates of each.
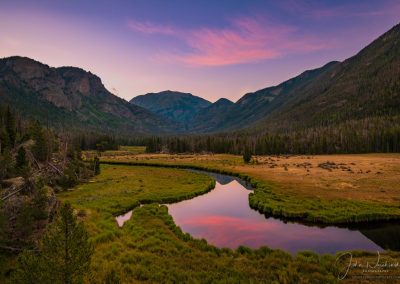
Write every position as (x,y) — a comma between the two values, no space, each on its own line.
(151,248)
(322,188)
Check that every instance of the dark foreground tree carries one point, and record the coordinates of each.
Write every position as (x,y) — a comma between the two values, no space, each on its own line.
(96,162)
(247,155)
(2,224)
(41,149)
(64,257)
(21,164)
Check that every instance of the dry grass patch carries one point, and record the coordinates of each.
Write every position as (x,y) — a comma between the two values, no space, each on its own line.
(364,187)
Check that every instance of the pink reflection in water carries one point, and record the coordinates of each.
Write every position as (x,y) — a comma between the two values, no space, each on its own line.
(223,217)
(123,218)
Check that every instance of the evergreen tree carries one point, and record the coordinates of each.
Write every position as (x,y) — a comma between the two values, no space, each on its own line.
(65,253)
(96,162)
(6,164)
(11,126)
(3,223)
(40,202)
(4,139)
(247,155)
(40,149)
(21,164)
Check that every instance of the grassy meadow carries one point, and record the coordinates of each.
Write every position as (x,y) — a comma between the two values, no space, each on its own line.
(323,188)
(151,248)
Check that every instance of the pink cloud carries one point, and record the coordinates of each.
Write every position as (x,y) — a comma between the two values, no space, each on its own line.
(244,41)
(150,28)
(317,10)
(228,223)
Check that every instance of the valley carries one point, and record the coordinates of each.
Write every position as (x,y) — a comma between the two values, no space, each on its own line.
(138,249)
(330,188)
(218,146)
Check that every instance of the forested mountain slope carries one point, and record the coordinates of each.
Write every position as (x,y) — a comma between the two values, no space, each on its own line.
(347,107)
(71,98)
(255,106)
(175,106)
(365,85)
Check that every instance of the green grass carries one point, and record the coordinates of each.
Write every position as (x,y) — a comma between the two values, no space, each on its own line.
(7,264)
(151,248)
(267,199)
(123,151)
(121,188)
(134,149)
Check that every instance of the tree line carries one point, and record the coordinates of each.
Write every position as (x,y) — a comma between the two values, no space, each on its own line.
(377,134)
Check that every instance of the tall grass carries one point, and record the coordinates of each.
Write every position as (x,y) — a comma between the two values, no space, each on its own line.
(267,200)
(151,248)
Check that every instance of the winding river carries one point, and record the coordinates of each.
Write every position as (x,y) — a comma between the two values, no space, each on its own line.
(223,217)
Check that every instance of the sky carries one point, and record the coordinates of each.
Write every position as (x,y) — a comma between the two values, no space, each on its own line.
(210,48)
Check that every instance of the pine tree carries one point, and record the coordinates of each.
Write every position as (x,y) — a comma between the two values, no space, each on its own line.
(3,223)
(40,149)
(247,155)
(96,162)
(65,253)
(6,164)
(21,165)
(11,126)
(4,139)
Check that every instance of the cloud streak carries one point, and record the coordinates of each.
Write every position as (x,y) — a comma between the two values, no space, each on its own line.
(318,11)
(245,40)
(151,28)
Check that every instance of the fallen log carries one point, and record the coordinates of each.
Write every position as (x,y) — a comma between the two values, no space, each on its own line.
(11,194)
(55,168)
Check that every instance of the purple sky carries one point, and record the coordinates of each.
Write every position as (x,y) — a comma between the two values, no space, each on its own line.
(211,49)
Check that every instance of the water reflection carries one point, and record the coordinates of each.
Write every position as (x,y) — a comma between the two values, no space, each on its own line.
(385,235)
(223,217)
(121,219)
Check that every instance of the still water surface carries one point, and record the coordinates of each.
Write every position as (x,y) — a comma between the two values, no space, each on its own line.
(223,217)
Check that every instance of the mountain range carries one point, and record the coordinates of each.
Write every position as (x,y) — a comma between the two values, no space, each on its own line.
(176,106)
(71,98)
(365,85)
(200,116)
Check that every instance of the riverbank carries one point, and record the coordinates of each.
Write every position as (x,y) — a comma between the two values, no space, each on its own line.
(150,247)
(331,189)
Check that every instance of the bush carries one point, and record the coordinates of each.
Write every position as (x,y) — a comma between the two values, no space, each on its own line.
(247,155)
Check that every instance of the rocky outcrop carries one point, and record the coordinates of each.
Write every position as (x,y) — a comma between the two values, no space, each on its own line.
(74,93)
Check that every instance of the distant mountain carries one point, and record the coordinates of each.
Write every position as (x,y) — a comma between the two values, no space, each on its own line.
(71,98)
(253,107)
(197,115)
(210,118)
(363,86)
(176,106)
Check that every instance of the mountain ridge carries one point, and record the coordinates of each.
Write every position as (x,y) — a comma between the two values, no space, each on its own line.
(364,85)
(71,97)
(175,106)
